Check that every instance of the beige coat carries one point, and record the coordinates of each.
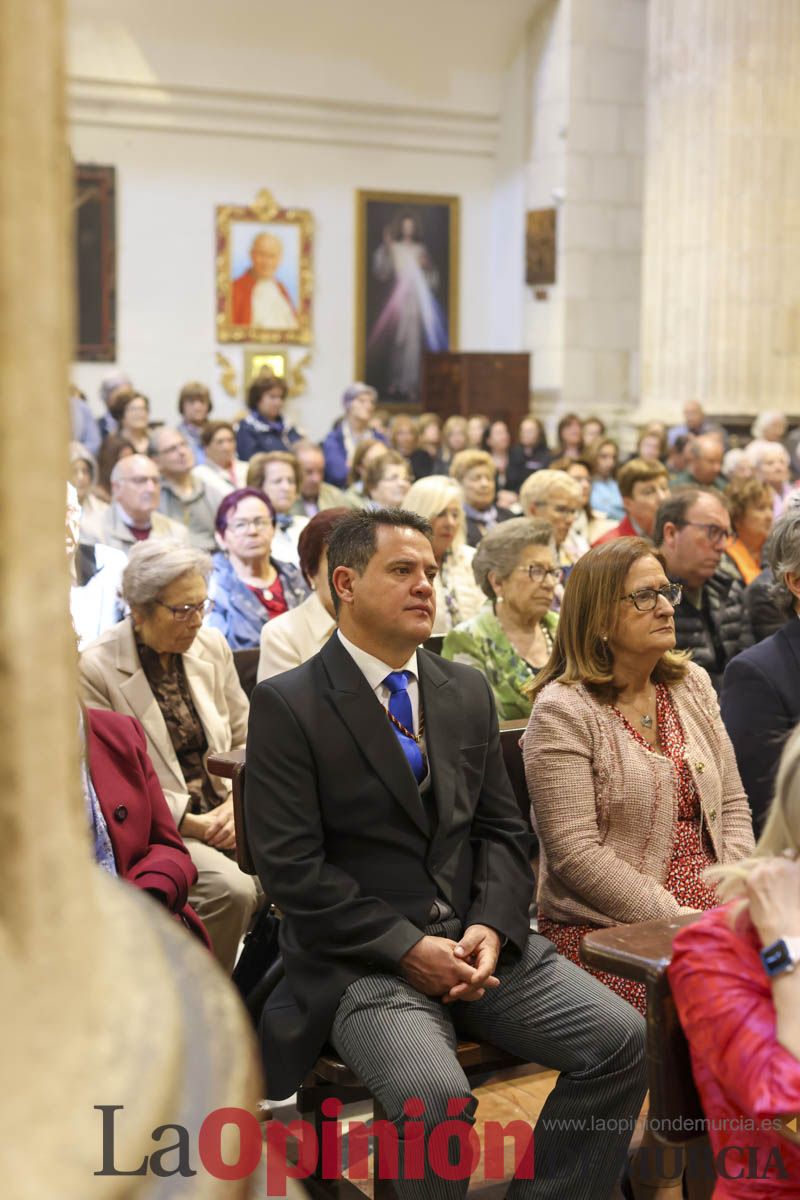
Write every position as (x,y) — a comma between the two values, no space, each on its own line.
(605,808)
(111,677)
(110,530)
(293,637)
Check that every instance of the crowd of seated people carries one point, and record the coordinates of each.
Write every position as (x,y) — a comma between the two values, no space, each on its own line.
(606,603)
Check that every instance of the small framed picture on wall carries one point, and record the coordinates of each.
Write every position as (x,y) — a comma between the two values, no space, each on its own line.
(264,272)
(406,288)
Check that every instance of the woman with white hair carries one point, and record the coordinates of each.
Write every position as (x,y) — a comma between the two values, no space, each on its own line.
(358,402)
(557,498)
(770,462)
(769,426)
(177,677)
(735,978)
(441,501)
(510,639)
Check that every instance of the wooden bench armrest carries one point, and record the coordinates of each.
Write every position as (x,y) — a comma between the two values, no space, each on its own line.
(225,764)
(639,952)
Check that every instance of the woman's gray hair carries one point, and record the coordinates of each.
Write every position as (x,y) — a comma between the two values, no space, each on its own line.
(499,550)
(782,552)
(155,564)
(755,451)
(764,420)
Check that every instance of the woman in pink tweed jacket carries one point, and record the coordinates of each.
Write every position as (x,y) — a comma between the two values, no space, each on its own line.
(632,777)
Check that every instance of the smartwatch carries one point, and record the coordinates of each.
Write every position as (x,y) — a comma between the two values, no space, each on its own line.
(781,956)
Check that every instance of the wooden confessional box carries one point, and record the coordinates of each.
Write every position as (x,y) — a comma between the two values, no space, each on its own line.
(455,384)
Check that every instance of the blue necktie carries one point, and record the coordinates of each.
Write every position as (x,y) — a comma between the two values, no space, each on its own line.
(400,709)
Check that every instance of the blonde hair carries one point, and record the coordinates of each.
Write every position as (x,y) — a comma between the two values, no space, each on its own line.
(430,496)
(257,467)
(589,613)
(781,830)
(467,460)
(537,486)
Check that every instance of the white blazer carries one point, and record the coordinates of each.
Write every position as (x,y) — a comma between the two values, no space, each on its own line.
(294,637)
(111,677)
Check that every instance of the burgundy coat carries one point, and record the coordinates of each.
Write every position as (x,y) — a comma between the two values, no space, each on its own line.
(148,849)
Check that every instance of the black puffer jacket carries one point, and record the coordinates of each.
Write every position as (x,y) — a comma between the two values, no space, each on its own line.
(713,630)
(761,616)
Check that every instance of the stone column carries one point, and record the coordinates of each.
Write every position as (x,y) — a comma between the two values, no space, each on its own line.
(721,301)
(104,999)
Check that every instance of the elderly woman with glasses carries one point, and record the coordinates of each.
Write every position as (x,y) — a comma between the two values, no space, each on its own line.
(632,776)
(557,498)
(177,677)
(248,586)
(510,639)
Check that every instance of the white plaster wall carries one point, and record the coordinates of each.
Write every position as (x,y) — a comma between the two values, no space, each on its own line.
(197,106)
(168,186)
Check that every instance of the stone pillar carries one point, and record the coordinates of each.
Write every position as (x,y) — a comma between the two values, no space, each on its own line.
(585,156)
(721,302)
(104,999)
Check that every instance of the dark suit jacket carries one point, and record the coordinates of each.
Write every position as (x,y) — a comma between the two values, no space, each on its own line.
(148,850)
(760,704)
(343,844)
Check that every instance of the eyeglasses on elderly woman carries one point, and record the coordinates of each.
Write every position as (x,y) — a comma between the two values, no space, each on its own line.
(182,612)
(537,574)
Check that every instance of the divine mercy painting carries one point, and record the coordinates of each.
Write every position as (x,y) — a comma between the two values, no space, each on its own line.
(407,279)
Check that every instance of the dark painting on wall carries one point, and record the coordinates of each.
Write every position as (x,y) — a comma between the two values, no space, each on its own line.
(540,247)
(95,263)
(407,288)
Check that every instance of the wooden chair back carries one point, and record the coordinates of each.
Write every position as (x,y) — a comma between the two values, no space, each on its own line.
(246,663)
(510,733)
(643,952)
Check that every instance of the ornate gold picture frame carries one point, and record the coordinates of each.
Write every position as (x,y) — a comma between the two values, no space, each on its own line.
(406,288)
(264,272)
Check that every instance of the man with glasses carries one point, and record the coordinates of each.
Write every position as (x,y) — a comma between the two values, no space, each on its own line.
(186,498)
(132,516)
(692,529)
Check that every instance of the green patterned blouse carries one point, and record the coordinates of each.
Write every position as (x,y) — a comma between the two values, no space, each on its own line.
(482,642)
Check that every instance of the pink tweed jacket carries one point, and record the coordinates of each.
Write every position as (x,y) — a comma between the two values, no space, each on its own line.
(605,807)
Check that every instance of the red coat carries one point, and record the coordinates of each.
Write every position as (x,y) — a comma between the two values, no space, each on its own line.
(745,1077)
(624,529)
(242,298)
(148,849)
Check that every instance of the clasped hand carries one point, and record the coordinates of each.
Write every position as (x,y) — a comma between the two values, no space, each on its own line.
(438,966)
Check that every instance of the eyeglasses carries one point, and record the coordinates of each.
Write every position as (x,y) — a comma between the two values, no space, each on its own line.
(538,574)
(716,534)
(182,612)
(646,599)
(242,525)
(171,449)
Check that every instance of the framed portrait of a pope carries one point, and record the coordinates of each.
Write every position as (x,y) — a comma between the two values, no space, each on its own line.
(264,272)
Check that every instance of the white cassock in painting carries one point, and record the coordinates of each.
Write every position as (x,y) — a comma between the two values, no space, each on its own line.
(411,319)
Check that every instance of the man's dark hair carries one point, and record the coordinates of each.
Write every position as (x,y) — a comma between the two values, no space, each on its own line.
(354,540)
(676,506)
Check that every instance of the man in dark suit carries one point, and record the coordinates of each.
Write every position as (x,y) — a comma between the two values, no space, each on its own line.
(760,698)
(383,826)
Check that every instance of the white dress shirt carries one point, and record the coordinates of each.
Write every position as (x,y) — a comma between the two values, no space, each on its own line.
(375,671)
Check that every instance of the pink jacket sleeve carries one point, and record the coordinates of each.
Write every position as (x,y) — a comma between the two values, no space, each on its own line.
(724,1001)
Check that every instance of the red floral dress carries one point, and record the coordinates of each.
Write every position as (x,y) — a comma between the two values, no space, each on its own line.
(691,852)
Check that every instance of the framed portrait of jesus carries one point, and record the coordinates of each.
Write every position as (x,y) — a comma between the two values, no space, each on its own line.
(406,288)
